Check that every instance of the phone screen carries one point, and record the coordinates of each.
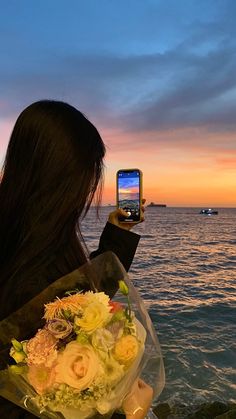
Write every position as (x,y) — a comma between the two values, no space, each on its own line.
(128,193)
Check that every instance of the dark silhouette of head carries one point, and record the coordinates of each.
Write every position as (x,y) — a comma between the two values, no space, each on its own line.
(53,167)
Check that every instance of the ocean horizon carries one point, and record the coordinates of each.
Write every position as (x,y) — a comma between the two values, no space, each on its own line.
(177,206)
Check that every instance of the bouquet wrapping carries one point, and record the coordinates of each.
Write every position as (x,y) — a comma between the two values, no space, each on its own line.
(79,345)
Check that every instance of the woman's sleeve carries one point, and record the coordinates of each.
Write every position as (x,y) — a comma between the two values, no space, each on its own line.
(122,242)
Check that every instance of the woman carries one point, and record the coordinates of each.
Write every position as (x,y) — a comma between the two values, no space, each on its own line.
(52,170)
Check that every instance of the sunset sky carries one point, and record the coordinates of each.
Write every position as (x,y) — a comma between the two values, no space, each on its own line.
(156,77)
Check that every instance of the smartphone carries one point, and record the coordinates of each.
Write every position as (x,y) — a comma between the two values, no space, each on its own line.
(129,193)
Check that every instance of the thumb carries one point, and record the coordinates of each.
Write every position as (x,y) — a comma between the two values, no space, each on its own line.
(114,215)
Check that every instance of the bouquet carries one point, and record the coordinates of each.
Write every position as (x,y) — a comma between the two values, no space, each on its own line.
(89,350)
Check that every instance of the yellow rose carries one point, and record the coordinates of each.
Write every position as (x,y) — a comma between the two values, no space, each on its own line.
(126,349)
(101,297)
(77,366)
(95,316)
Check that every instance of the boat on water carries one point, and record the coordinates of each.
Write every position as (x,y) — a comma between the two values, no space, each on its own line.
(152,204)
(208,211)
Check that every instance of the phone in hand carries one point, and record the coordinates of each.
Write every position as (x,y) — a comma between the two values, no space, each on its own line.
(129,194)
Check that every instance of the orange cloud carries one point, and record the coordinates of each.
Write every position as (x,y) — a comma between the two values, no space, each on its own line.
(227,163)
(180,168)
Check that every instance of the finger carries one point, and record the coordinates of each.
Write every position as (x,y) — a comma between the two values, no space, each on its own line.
(144,386)
(141,383)
(142,206)
(142,218)
(115,214)
(122,212)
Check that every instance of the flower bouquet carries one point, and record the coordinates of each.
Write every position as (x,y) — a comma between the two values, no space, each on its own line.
(87,349)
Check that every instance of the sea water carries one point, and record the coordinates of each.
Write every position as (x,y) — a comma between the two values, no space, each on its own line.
(185,270)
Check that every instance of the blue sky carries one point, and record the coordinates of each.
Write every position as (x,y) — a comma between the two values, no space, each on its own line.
(160,73)
(155,63)
(126,182)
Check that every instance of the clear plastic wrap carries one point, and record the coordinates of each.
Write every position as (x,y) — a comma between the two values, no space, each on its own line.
(103,273)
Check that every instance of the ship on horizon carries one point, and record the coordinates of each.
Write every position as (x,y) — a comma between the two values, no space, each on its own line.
(152,204)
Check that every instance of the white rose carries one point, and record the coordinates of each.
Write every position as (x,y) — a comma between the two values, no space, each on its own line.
(77,366)
(103,340)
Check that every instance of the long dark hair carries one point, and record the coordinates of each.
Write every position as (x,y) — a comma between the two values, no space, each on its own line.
(53,167)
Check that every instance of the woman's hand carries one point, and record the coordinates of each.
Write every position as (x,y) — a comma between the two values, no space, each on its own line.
(138,401)
(114,217)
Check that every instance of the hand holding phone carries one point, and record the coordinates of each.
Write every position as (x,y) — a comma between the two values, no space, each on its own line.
(129,194)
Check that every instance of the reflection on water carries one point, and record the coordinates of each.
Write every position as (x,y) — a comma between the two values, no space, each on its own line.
(185,271)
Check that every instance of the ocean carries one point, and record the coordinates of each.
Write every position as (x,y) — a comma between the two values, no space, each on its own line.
(185,270)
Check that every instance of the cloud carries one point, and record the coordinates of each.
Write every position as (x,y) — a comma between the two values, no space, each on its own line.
(148,92)
(227,163)
(189,83)
(198,96)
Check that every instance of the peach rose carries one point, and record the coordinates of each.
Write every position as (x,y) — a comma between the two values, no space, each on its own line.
(77,366)
(41,349)
(126,349)
(41,377)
